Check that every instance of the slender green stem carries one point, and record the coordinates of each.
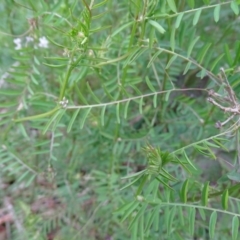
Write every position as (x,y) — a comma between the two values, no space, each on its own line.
(162,204)
(188,11)
(37,116)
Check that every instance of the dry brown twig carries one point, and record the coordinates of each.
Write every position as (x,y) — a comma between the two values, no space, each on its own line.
(231,100)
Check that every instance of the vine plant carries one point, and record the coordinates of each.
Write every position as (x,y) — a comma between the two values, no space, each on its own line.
(128,90)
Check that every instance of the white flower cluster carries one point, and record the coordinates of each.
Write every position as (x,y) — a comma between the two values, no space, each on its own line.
(64,102)
(17,41)
(43,42)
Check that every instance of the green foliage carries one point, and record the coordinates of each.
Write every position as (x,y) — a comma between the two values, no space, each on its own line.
(119,119)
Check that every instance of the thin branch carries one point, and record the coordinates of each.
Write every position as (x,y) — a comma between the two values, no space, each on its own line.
(189,11)
(134,98)
(207,139)
(59,16)
(228,88)
(225,109)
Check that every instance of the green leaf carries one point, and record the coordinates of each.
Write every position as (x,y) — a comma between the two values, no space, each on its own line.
(190,48)
(141,105)
(151,87)
(178,20)
(134,174)
(150,218)
(9,92)
(134,232)
(172,39)
(139,214)
(167,96)
(172,59)
(136,54)
(183,192)
(192,221)
(165,184)
(202,214)
(156,220)
(59,117)
(72,120)
(217,141)
(191,3)
(216,13)
(141,227)
(237,51)
(157,26)
(99,4)
(203,150)
(172,5)
(57,44)
(211,153)
(181,215)
(225,199)
(205,192)
(126,109)
(118,112)
(188,160)
(207,2)
(212,224)
(35,117)
(155,55)
(228,55)
(92,94)
(81,97)
(216,61)
(170,219)
(122,28)
(234,176)
(235,227)
(36,60)
(107,92)
(124,207)
(210,144)
(103,114)
(187,67)
(100,29)
(152,37)
(55,66)
(234,7)
(51,120)
(155,101)
(130,210)
(84,116)
(131,183)
(203,52)
(144,179)
(35,70)
(166,175)
(196,16)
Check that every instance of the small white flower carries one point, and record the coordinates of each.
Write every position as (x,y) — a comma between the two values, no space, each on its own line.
(140,198)
(90,53)
(17,41)
(20,106)
(81,35)
(43,42)
(66,52)
(64,102)
(140,18)
(29,39)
